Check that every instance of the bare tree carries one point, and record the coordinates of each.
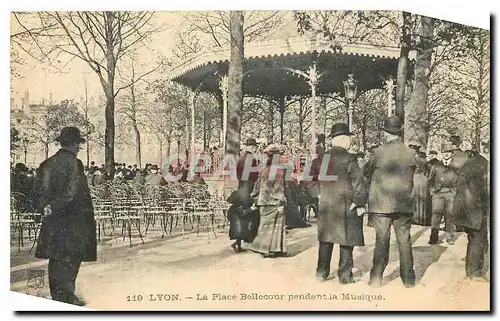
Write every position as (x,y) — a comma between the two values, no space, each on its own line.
(45,128)
(101,39)
(415,127)
(89,127)
(216,25)
(235,91)
(133,107)
(473,82)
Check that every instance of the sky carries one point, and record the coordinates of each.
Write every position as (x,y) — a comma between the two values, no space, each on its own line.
(41,80)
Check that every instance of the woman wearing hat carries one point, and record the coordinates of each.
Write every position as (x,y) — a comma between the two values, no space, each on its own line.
(270,193)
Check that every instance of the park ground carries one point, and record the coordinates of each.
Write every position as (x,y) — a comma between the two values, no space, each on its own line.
(179,272)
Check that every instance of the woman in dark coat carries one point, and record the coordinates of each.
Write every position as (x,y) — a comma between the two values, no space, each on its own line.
(240,216)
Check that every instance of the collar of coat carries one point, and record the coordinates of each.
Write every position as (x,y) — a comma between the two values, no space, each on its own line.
(335,149)
(65,150)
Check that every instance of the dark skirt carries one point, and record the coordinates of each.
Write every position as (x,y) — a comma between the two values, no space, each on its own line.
(243,223)
(421,213)
(271,237)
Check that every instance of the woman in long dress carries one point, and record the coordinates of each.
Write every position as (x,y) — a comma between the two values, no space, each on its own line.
(270,193)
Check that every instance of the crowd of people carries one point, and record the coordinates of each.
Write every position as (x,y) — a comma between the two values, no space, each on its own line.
(394,184)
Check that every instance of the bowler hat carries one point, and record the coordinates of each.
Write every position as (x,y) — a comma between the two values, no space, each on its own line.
(392,125)
(251,142)
(340,129)
(455,140)
(433,152)
(447,147)
(321,138)
(70,135)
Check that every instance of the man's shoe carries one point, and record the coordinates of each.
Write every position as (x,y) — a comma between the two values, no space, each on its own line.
(79,302)
(322,276)
(375,284)
(350,281)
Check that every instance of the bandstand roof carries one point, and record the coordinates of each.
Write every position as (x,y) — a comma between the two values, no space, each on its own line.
(263,62)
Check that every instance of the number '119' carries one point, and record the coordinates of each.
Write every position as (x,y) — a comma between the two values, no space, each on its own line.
(134,298)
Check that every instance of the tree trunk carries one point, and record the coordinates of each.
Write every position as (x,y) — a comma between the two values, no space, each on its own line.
(137,144)
(161,153)
(186,149)
(235,92)
(402,75)
(169,147)
(271,122)
(301,122)
(88,151)
(415,125)
(109,136)
(282,118)
(205,130)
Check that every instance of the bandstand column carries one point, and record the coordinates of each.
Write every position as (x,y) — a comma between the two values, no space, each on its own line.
(390,87)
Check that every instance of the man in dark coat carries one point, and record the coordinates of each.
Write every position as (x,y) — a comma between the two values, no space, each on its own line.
(154,177)
(247,174)
(443,178)
(68,233)
(341,204)
(390,201)
(471,211)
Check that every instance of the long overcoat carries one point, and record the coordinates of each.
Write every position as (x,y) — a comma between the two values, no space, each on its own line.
(471,205)
(390,173)
(70,232)
(336,222)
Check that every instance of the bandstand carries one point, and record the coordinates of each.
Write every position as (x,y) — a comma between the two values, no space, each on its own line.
(277,70)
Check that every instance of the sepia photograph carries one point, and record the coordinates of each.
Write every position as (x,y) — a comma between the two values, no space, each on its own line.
(256,160)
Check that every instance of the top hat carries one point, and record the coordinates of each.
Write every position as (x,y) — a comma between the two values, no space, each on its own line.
(70,135)
(340,129)
(392,125)
(251,142)
(447,147)
(455,140)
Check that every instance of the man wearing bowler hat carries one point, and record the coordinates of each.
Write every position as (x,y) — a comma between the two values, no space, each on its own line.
(68,233)
(390,201)
(343,194)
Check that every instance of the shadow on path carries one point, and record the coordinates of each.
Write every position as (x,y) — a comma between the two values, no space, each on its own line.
(423,257)
(363,262)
